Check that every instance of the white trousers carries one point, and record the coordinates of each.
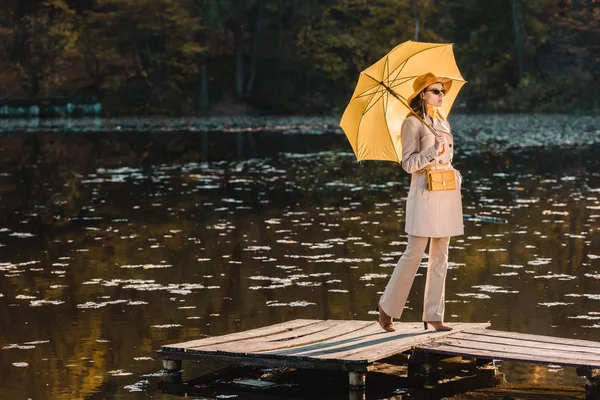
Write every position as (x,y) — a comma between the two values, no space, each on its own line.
(396,292)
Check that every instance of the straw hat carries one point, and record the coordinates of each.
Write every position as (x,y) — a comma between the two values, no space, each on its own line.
(428,79)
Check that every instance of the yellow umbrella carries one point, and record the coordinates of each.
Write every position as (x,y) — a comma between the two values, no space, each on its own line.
(373,118)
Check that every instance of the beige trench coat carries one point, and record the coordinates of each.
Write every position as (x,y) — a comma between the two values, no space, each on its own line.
(429,214)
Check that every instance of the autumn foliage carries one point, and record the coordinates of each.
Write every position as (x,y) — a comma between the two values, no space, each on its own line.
(184,57)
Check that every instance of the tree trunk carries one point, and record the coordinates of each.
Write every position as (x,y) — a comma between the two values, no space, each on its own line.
(254,48)
(518,40)
(203,86)
(238,37)
(417,20)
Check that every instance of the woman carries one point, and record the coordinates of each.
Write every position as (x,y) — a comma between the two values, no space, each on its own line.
(431,216)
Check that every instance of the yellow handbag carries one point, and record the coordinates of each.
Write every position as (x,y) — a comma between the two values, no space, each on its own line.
(440,179)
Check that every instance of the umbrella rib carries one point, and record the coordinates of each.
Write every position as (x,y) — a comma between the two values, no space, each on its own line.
(367,94)
(374,102)
(368,91)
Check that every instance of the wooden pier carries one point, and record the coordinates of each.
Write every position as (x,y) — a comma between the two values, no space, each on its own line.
(354,346)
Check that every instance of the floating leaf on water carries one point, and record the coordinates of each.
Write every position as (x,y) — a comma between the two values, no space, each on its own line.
(474,295)
(369,277)
(562,277)
(20,364)
(493,289)
(284,267)
(37,303)
(346,260)
(119,372)
(589,317)
(147,266)
(24,297)
(286,241)
(540,261)
(91,304)
(21,235)
(302,303)
(257,248)
(309,284)
(136,387)
(166,326)
(17,346)
(37,342)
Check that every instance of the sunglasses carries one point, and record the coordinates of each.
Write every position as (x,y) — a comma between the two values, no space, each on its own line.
(437,91)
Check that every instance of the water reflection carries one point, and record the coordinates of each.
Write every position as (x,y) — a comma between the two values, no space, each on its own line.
(113,245)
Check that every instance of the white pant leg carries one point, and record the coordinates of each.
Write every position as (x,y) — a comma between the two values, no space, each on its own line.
(435,285)
(396,292)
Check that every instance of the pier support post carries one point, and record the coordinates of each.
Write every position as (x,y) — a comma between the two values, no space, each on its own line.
(423,368)
(357,385)
(173,374)
(172,365)
(357,380)
(592,382)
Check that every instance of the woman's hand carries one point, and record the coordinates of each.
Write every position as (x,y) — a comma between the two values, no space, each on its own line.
(440,143)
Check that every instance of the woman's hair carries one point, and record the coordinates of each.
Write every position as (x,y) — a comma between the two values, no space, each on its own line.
(417,105)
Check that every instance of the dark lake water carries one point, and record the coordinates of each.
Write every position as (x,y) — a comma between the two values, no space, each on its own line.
(119,236)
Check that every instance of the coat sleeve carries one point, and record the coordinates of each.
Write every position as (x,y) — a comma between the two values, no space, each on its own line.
(413,159)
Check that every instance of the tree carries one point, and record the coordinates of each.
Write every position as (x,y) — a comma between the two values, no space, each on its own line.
(150,44)
(44,44)
(577,39)
(349,35)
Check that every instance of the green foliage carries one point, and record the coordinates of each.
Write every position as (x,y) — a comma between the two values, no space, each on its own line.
(164,56)
(148,45)
(350,35)
(47,45)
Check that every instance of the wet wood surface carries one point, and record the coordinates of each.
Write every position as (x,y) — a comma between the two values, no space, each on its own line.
(512,346)
(326,344)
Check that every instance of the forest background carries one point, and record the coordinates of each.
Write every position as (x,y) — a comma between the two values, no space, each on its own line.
(207,57)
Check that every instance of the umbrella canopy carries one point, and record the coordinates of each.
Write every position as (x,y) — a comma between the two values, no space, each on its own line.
(373,118)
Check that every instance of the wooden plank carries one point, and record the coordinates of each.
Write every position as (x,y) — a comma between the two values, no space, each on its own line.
(481,336)
(524,349)
(489,351)
(322,332)
(252,333)
(372,343)
(268,361)
(370,331)
(389,350)
(534,338)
